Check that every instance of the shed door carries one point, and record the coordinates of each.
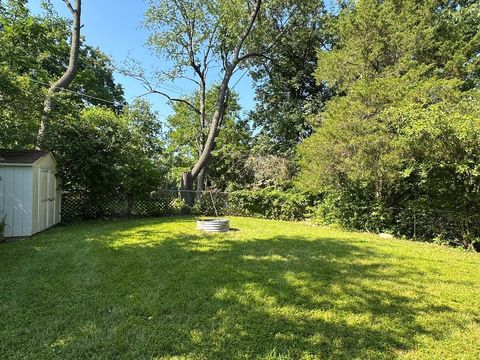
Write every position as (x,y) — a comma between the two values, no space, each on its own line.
(46,207)
(43,199)
(52,185)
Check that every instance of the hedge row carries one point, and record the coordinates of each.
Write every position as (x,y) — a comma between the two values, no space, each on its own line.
(270,203)
(412,222)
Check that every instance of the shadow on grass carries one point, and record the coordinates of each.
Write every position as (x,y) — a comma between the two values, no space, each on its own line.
(216,297)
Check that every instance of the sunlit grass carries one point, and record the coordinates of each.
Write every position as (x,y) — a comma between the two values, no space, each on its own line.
(159,289)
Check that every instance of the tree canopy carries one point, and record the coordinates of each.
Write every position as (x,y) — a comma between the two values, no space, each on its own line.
(402,132)
(35,52)
(287,94)
(93,131)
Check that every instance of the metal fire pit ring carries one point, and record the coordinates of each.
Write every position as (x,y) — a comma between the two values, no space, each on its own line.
(213,225)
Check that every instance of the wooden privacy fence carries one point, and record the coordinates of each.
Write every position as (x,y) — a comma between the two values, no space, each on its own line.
(78,206)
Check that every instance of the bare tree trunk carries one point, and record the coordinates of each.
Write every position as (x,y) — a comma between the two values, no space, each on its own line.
(200,184)
(214,125)
(203,119)
(68,75)
(186,187)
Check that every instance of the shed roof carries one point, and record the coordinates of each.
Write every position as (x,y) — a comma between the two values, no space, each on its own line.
(21,156)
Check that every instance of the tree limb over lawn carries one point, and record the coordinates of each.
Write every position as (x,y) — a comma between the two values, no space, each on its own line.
(69,73)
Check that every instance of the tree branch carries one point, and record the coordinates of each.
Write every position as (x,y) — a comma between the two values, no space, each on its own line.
(254,54)
(69,6)
(69,73)
(241,39)
(209,46)
(152,89)
(186,102)
(189,78)
(263,53)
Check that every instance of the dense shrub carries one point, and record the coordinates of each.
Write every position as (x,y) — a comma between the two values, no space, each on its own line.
(351,210)
(270,203)
(412,169)
(179,207)
(399,150)
(417,219)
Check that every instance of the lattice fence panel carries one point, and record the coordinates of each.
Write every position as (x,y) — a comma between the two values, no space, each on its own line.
(78,206)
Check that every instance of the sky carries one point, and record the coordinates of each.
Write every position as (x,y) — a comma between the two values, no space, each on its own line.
(116,28)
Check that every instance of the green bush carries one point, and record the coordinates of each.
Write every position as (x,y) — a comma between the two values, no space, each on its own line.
(270,203)
(352,210)
(422,220)
(179,207)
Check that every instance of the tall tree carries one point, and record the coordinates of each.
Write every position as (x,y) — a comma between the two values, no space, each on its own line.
(388,38)
(200,37)
(184,141)
(35,53)
(70,72)
(285,88)
(386,54)
(409,76)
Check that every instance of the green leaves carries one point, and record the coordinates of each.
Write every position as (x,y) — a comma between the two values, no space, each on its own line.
(286,93)
(187,32)
(184,141)
(404,133)
(102,152)
(269,203)
(380,38)
(35,51)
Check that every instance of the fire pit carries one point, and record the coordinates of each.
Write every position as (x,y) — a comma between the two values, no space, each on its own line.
(213,225)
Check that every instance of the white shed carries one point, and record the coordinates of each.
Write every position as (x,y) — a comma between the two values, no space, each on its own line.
(29,192)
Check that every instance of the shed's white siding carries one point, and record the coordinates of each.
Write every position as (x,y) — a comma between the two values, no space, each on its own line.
(29,196)
(16,199)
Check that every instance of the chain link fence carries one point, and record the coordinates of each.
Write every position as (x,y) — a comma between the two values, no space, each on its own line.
(443,226)
(453,227)
(77,206)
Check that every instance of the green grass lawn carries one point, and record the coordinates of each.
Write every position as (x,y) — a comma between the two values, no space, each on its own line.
(159,289)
